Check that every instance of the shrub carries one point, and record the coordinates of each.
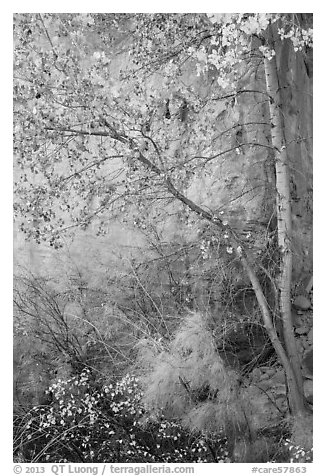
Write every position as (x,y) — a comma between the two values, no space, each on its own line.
(106,424)
(300,445)
(298,454)
(189,381)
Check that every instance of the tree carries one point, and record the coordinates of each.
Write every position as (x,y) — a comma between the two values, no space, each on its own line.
(94,134)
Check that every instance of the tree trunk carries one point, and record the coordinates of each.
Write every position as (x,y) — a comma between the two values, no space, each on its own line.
(284,222)
(296,395)
(289,358)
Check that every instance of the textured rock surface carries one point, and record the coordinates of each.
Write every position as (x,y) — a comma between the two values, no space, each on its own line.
(301,302)
(308,390)
(310,336)
(307,363)
(302,330)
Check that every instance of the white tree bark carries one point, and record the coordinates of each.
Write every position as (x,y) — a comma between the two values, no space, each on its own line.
(284,225)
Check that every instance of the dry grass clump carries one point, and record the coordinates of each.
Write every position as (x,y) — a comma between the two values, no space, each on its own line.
(189,381)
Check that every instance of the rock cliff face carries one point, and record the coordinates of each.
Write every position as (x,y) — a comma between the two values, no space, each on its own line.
(242,182)
(296,83)
(239,182)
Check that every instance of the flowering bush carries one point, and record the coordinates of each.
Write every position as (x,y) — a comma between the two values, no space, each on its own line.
(106,424)
(298,454)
